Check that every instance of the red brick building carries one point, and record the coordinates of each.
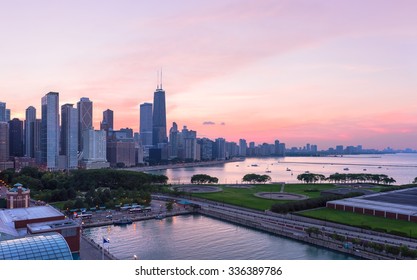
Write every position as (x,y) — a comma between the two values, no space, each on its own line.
(18,197)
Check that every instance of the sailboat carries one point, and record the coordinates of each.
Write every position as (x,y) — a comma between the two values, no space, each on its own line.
(267,170)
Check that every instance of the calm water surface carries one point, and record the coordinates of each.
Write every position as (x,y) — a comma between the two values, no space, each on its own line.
(197,237)
(402,167)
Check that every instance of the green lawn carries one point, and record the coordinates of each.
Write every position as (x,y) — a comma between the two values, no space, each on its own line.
(310,190)
(245,197)
(359,220)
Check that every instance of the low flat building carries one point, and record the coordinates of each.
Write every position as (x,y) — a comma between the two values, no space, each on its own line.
(69,229)
(19,218)
(398,205)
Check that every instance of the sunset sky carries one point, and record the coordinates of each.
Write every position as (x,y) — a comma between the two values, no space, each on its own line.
(301,71)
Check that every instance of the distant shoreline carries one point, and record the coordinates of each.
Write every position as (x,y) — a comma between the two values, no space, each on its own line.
(180,165)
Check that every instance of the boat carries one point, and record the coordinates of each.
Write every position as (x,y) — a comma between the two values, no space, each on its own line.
(346,169)
(267,170)
(159,216)
(255,165)
(122,221)
(288,169)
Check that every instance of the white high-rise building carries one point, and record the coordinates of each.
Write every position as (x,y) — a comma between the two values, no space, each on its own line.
(50,130)
(95,153)
(69,135)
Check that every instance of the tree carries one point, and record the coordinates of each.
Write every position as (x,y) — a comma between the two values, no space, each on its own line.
(251,178)
(311,177)
(256,178)
(169,206)
(264,179)
(203,179)
(415,180)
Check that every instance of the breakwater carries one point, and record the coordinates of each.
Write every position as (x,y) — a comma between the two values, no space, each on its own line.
(288,230)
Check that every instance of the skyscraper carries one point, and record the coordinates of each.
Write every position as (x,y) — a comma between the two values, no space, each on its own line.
(3,112)
(243,146)
(4,142)
(8,114)
(85,119)
(145,124)
(16,138)
(107,123)
(29,131)
(69,135)
(159,123)
(173,141)
(50,130)
(37,151)
(220,149)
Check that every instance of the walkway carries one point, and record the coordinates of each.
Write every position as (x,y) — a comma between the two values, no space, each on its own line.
(92,251)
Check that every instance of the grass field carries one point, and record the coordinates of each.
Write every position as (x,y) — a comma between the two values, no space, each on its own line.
(245,197)
(359,220)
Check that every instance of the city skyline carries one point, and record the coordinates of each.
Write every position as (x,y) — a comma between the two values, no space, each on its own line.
(312,71)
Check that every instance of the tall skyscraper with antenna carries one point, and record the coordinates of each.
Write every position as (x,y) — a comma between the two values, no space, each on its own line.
(159,121)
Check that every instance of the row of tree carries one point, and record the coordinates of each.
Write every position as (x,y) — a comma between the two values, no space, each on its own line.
(256,178)
(248,178)
(346,178)
(203,179)
(398,251)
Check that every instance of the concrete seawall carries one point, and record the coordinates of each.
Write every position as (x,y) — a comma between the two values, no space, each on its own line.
(293,233)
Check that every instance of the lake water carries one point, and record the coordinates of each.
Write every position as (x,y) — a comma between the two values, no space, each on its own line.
(197,237)
(401,167)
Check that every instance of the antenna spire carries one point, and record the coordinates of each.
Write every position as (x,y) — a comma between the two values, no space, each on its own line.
(161,78)
(157,79)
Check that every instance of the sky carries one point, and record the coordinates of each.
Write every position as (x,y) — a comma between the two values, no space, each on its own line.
(299,71)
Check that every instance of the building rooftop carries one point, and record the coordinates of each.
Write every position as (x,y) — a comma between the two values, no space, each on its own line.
(403,197)
(54,225)
(37,212)
(7,232)
(48,246)
(399,201)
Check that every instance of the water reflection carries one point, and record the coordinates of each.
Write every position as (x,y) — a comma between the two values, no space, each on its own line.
(197,237)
